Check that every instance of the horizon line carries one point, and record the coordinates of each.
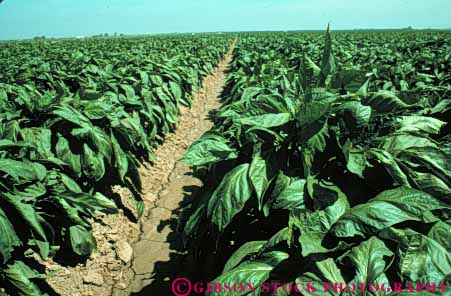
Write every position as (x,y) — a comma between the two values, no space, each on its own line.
(117,34)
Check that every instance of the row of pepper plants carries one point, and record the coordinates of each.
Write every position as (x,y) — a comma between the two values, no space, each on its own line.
(330,161)
(77,117)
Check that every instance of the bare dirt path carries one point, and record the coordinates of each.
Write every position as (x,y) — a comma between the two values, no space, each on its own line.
(141,258)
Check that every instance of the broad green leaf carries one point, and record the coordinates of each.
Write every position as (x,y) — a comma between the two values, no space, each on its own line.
(30,193)
(82,240)
(104,204)
(329,271)
(175,90)
(273,258)
(441,233)
(70,183)
(195,219)
(356,159)
(21,276)
(230,196)
(442,106)
(398,143)
(208,149)
(330,203)
(42,137)
(260,175)
(368,258)
(266,120)
(421,258)
(28,213)
(391,165)
(328,61)
(384,102)
(254,273)
(245,250)
(315,113)
(354,114)
(92,163)
(388,208)
(86,203)
(29,171)
(420,124)
(281,236)
(8,239)
(431,184)
(433,159)
(64,153)
(349,79)
(288,193)
(120,158)
(44,249)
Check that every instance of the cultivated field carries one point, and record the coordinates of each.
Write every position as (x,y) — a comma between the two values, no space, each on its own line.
(231,158)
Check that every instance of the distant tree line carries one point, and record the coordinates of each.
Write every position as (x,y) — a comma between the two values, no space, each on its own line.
(106,35)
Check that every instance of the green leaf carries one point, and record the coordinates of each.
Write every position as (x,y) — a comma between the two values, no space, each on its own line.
(442,106)
(197,216)
(120,158)
(254,273)
(273,258)
(441,233)
(421,258)
(211,147)
(330,271)
(104,204)
(87,203)
(27,212)
(331,203)
(230,196)
(20,276)
(244,251)
(328,61)
(29,171)
(175,90)
(356,159)
(420,124)
(388,208)
(368,258)
(391,165)
(266,120)
(82,240)
(384,102)
(281,236)
(349,79)
(398,143)
(92,163)
(354,114)
(323,283)
(8,239)
(259,174)
(313,114)
(434,159)
(64,153)
(431,184)
(288,193)
(30,193)
(70,183)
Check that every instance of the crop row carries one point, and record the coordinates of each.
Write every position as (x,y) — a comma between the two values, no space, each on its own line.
(328,165)
(76,117)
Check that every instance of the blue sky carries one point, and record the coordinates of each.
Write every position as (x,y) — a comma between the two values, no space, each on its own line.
(62,18)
